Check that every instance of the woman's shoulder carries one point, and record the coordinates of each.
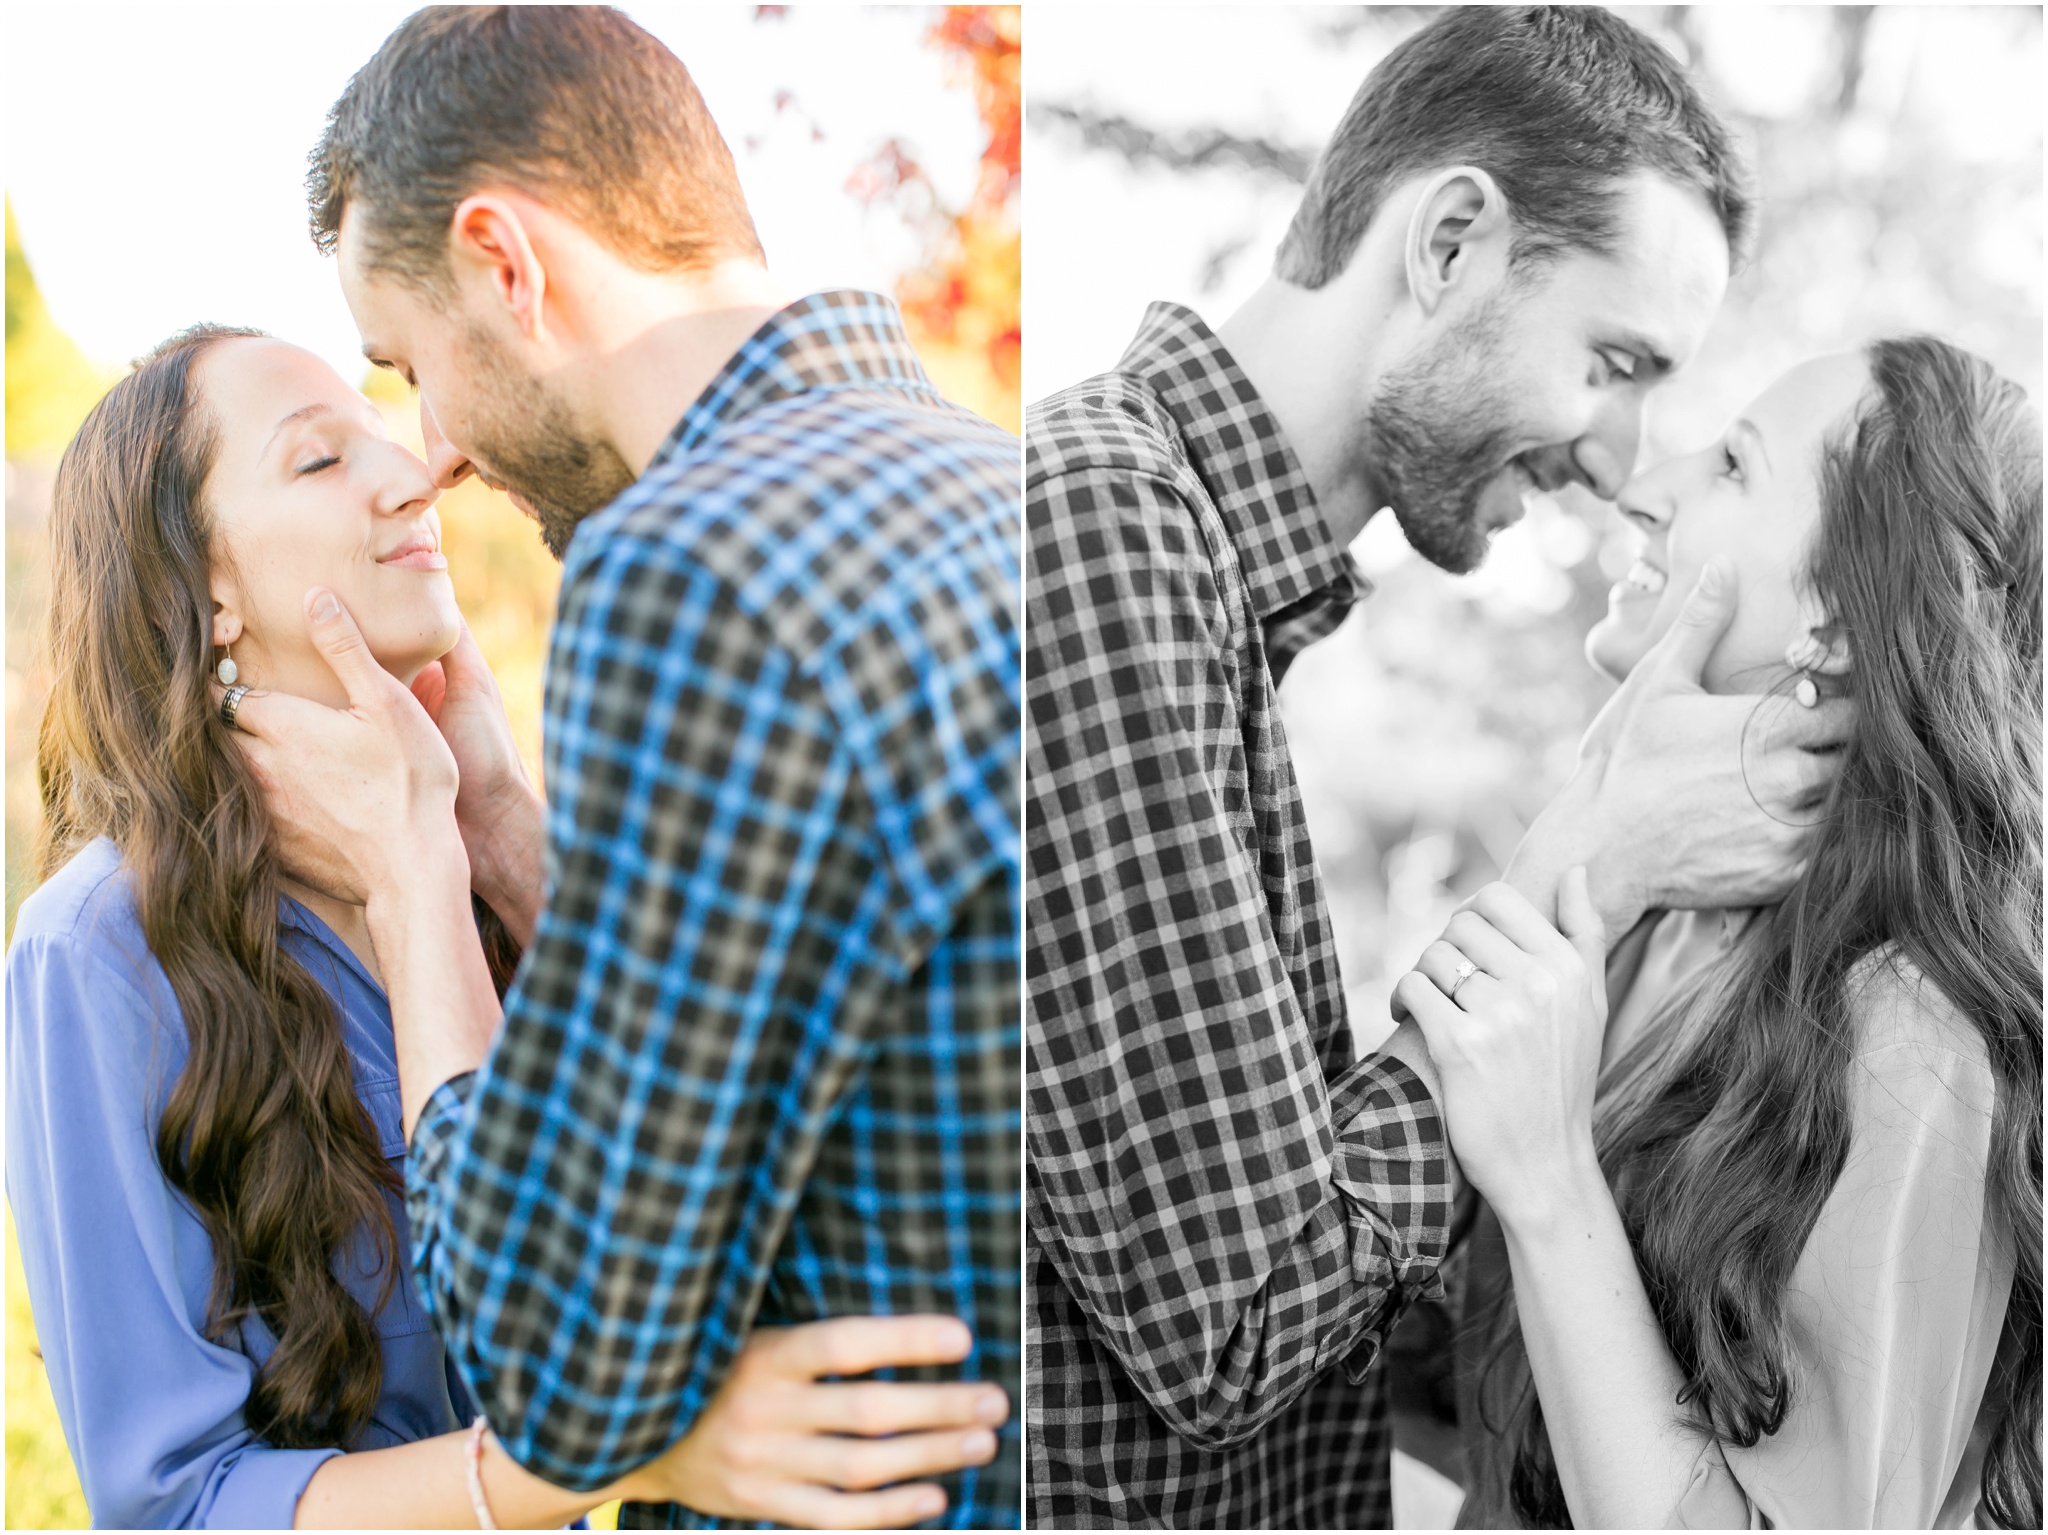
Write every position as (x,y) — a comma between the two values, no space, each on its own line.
(86,912)
(1912,1039)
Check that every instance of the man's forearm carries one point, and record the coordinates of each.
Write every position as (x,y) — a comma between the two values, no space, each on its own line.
(1569,832)
(444,1009)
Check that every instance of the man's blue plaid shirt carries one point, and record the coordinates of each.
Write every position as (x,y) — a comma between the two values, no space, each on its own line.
(760,1065)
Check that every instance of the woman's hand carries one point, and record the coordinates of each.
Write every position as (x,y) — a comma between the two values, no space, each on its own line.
(778,1443)
(1516,1041)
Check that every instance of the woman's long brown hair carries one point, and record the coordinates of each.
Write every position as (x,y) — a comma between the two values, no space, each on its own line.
(263,1131)
(1723,1131)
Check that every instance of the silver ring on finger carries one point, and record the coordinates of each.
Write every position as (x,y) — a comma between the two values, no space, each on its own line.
(1465,971)
(230,702)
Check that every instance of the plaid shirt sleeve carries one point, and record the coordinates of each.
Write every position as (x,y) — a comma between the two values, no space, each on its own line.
(596,1211)
(1231,1221)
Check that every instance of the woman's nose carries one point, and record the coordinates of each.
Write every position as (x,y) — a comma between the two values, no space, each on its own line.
(1647,498)
(408,485)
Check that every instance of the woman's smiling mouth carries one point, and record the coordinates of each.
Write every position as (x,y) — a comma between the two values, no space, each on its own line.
(1642,576)
(418,552)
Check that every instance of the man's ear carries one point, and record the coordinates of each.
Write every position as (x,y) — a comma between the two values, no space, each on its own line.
(487,236)
(1460,224)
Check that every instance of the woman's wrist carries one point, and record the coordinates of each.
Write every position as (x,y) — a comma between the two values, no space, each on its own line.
(1557,1198)
(520,1500)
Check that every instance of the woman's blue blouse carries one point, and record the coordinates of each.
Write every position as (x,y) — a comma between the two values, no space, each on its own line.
(120,1269)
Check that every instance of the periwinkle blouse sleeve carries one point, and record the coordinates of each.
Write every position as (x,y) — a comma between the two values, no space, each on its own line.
(118,1268)
(1899,1295)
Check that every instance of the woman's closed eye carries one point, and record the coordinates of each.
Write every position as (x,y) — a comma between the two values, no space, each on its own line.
(314,466)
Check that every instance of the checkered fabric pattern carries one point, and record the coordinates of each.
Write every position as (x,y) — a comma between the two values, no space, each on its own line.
(1225,1212)
(760,1065)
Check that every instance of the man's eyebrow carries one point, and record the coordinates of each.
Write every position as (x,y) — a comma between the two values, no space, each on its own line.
(1635,341)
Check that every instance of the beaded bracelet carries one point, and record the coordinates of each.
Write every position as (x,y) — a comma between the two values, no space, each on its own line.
(473,1468)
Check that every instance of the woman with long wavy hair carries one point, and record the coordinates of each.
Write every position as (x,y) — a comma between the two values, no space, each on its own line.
(204,1150)
(1762,1230)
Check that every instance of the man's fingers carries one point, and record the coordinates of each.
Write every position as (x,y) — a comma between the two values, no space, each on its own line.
(251,713)
(814,1508)
(430,687)
(860,1465)
(856,1345)
(1682,654)
(1828,724)
(466,661)
(337,638)
(898,1407)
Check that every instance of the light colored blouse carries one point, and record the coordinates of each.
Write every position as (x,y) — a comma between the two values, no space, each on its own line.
(1898,1298)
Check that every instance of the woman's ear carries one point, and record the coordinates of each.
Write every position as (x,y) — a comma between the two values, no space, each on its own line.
(227,622)
(1822,645)
(1459,226)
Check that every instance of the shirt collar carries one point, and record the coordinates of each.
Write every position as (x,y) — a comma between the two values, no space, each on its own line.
(294,913)
(844,337)
(1243,458)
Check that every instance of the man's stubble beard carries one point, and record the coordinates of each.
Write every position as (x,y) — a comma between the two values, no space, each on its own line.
(534,447)
(1437,425)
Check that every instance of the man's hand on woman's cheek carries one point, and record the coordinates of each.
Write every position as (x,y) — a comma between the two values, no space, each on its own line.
(1685,798)
(361,796)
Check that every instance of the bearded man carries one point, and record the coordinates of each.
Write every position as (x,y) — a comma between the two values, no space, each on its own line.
(758,1066)
(1525,221)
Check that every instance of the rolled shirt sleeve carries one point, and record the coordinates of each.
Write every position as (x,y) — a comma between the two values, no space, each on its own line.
(1230,1218)
(119,1270)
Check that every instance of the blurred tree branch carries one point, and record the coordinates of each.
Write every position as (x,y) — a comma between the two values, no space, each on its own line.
(1852,36)
(1191,150)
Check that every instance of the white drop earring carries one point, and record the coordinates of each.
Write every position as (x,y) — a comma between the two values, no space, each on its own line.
(227,671)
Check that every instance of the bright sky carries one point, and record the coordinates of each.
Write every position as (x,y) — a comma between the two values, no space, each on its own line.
(156,154)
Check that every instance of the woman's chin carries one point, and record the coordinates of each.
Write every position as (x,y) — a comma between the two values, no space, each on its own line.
(406,659)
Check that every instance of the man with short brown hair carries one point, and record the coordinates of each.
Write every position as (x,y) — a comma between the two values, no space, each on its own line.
(759,1064)
(1524,221)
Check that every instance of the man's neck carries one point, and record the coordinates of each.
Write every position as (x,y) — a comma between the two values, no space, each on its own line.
(657,363)
(1313,377)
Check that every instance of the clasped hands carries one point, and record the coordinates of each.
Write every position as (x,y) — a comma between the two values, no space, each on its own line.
(1682,799)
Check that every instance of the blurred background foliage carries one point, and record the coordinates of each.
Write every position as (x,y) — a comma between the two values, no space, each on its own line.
(960,298)
(1898,155)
